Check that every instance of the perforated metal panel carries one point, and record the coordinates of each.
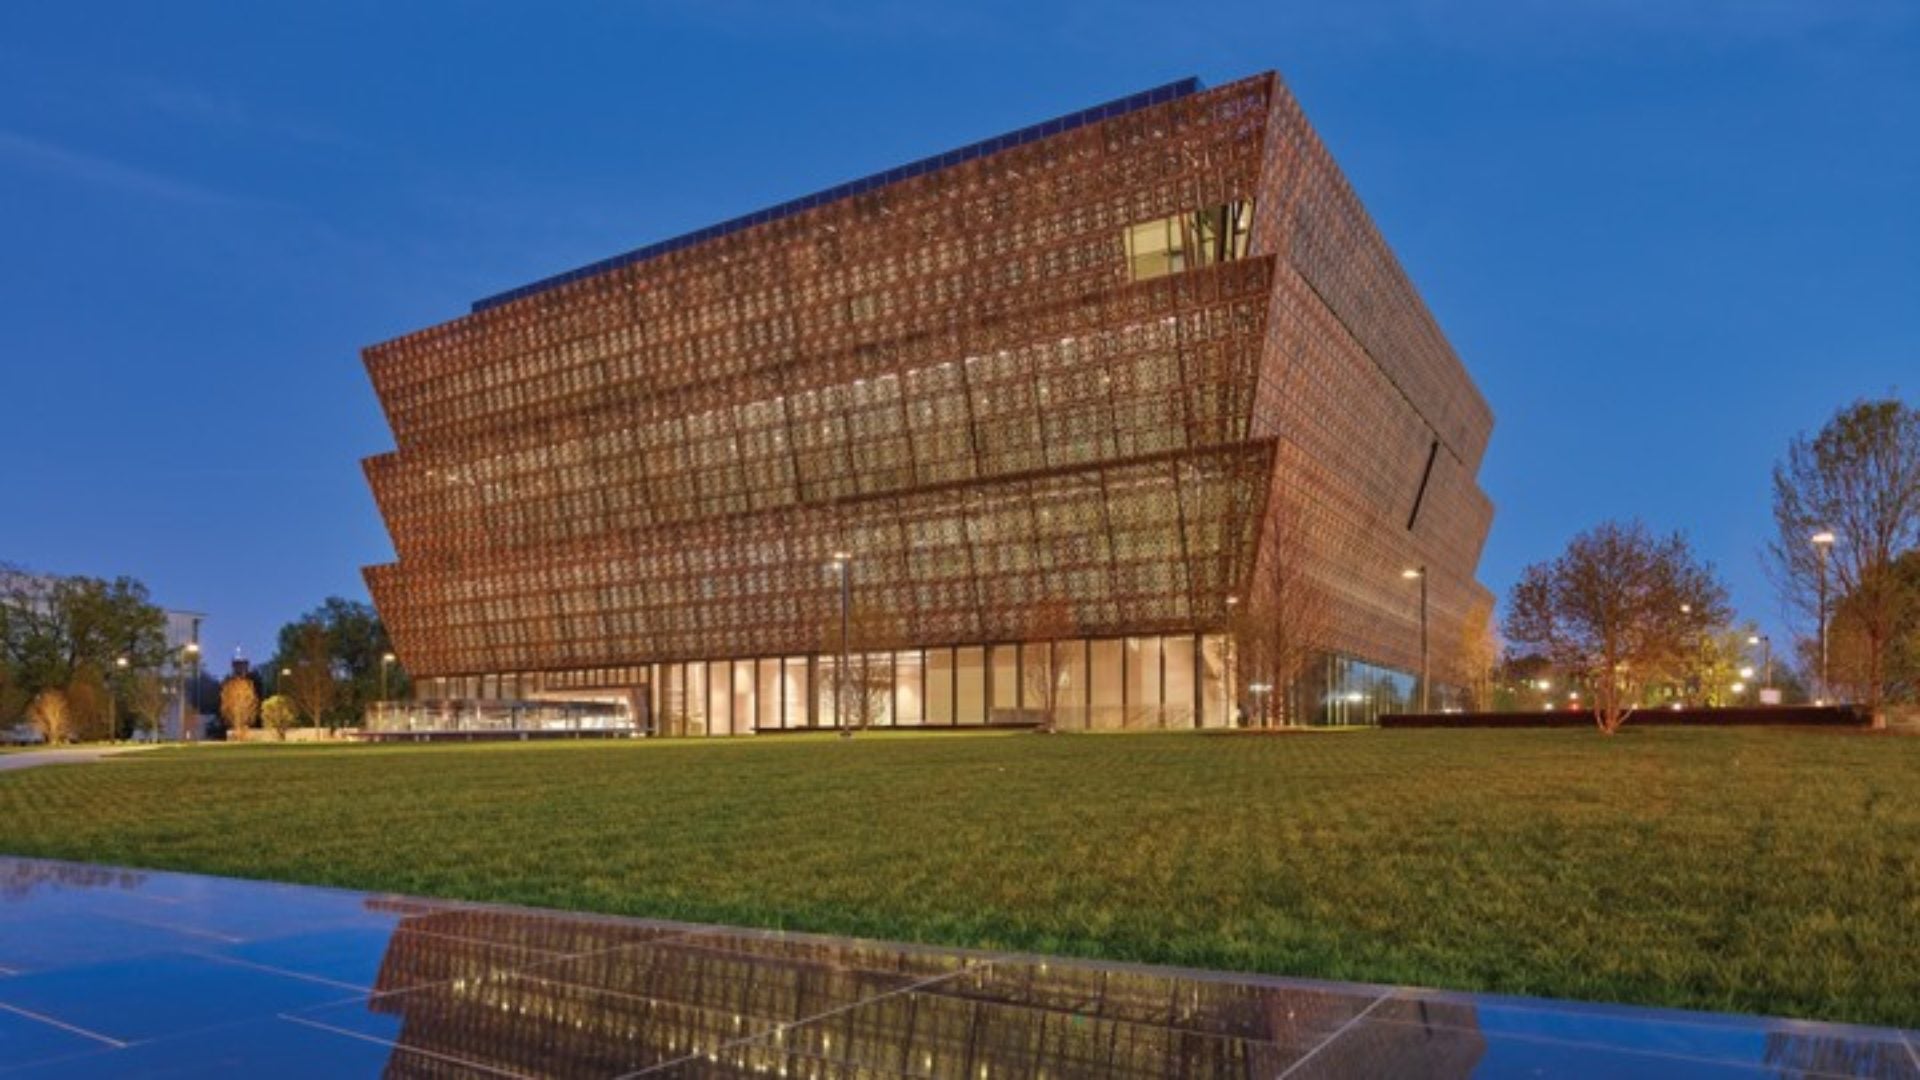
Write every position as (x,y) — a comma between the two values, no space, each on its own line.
(952,375)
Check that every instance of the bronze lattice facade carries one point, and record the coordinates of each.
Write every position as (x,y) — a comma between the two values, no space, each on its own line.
(1065,377)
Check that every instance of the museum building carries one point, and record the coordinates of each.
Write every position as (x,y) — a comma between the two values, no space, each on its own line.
(1028,430)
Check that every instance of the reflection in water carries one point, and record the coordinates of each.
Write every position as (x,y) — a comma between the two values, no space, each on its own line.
(593,998)
(20,877)
(466,988)
(1794,1054)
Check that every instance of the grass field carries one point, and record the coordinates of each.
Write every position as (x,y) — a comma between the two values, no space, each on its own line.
(1759,871)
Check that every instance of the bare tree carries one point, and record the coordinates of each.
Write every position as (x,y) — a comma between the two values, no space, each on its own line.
(239,702)
(865,688)
(1286,619)
(1858,479)
(1050,627)
(1620,608)
(148,695)
(312,685)
(1474,663)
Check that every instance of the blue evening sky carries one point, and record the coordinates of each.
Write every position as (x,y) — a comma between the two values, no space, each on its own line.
(1663,234)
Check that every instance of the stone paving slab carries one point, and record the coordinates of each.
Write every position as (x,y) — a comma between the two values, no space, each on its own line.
(116,973)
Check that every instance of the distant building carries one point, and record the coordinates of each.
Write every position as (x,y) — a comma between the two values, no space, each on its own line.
(1074,374)
(182,630)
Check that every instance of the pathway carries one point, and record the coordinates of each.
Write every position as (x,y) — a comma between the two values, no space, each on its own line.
(76,755)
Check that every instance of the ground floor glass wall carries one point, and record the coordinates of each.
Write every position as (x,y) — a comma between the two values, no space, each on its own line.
(1116,684)
(1113,684)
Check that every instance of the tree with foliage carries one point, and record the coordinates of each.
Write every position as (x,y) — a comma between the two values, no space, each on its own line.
(48,714)
(1857,660)
(51,628)
(14,697)
(1859,479)
(312,685)
(1620,608)
(89,704)
(279,714)
(356,643)
(239,702)
(1712,667)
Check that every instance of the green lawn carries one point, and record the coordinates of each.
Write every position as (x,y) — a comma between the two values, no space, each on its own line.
(1760,871)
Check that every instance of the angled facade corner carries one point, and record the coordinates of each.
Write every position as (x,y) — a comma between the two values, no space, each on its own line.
(1055,383)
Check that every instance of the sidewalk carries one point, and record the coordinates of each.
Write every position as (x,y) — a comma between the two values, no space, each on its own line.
(76,755)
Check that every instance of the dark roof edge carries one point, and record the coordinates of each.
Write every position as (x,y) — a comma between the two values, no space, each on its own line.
(1159,95)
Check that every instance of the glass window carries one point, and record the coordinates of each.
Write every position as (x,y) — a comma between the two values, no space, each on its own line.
(1176,242)
(826,670)
(939,686)
(1153,249)
(1004,663)
(793,692)
(1104,681)
(909,702)
(1179,681)
(970,685)
(673,712)
(697,698)
(769,695)
(1143,672)
(1073,684)
(1215,702)
(720,698)
(742,696)
(870,690)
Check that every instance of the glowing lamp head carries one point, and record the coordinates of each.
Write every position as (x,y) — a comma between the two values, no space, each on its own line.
(1823,538)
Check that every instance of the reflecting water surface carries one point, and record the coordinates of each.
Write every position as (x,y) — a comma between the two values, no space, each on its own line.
(105,972)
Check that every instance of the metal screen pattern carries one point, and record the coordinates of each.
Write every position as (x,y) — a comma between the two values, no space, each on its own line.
(954,377)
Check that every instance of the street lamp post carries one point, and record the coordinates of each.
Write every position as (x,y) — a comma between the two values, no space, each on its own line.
(842,561)
(192,650)
(1822,541)
(1766,658)
(113,702)
(386,661)
(1425,683)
